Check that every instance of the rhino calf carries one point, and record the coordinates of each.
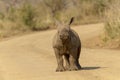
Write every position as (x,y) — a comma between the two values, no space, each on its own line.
(66,42)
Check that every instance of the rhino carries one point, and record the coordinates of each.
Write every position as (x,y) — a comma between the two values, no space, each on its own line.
(67,47)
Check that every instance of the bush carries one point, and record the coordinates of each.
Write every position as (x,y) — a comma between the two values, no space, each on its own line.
(28,15)
(2,16)
(9,28)
(112,20)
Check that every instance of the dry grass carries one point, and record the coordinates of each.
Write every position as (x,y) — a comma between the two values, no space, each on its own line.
(112,20)
(111,36)
(112,24)
(8,28)
(98,42)
(41,16)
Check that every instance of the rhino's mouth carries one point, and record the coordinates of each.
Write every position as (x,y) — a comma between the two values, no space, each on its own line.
(64,38)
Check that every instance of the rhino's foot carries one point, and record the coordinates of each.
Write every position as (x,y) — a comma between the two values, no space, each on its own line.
(73,68)
(60,69)
(67,68)
(79,66)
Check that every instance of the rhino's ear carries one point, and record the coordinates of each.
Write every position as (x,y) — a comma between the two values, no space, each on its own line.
(71,20)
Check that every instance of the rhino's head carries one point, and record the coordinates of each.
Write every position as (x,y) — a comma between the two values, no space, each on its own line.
(64,30)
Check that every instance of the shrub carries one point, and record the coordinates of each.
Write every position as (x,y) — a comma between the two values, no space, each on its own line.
(28,15)
(112,20)
(9,28)
(2,16)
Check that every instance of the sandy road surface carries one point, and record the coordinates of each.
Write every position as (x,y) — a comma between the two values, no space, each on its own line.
(31,57)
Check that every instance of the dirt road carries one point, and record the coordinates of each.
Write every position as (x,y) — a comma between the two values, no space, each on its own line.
(31,57)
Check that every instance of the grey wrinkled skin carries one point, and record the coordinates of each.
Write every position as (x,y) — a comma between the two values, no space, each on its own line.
(67,47)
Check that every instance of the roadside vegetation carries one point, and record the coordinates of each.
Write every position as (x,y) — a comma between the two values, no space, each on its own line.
(112,24)
(21,16)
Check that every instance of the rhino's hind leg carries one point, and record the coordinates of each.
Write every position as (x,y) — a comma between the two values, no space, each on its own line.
(78,55)
(78,64)
(67,65)
(59,58)
(73,60)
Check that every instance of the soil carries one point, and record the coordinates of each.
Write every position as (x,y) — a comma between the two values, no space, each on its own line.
(31,57)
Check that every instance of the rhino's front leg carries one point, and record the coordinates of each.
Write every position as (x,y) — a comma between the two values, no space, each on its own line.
(59,58)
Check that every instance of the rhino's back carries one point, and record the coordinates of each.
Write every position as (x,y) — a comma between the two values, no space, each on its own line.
(75,40)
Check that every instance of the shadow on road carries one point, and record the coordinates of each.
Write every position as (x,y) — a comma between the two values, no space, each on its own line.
(90,68)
